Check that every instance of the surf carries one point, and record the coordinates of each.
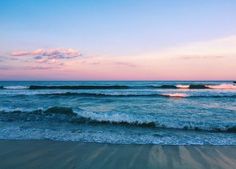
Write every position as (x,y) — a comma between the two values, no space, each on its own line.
(82,117)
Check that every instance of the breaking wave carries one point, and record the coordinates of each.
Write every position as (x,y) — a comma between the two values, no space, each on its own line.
(182,86)
(80,117)
(222,86)
(15,87)
(176,95)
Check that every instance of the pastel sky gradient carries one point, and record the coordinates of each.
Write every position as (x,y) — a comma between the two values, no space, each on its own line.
(117,40)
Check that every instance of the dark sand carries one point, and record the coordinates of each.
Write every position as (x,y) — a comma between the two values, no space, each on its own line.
(53,154)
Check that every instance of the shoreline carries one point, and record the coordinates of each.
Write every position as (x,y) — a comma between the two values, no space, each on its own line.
(69,154)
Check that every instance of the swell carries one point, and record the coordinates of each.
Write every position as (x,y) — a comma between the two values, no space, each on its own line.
(66,114)
(122,87)
(79,87)
(103,95)
(192,86)
(183,95)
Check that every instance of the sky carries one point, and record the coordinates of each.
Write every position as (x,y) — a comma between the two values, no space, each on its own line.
(117,40)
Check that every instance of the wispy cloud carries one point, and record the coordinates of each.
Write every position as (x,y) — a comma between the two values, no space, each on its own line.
(40,67)
(196,57)
(5,58)
(59,53)
(124,64)
(212,49)
(51,56)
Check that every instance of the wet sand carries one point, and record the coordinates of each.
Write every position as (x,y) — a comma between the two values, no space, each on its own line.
(75,155)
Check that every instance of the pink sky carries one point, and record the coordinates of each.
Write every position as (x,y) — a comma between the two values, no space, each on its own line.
(208,60)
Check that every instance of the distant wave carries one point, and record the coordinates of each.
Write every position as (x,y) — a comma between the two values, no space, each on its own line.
(122,87)
(180,95)
(15,87)
(138,95)
(182,86)
(222,86)
(165,95)
(104,95)
(191,86)
(79,87)
(103,87)
(176,95)
(80,117)
(163,87)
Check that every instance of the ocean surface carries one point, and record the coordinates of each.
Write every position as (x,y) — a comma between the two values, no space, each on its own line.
(122,112)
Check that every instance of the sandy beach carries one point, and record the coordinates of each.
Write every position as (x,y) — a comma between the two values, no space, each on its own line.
(54,154)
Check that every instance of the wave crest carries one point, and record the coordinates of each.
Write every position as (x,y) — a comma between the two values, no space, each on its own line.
(182,86)
(67,115)
(222,86)
(177,95)
(15,87)
(79,87)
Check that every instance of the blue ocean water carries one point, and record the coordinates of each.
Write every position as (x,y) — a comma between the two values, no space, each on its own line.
(123,112)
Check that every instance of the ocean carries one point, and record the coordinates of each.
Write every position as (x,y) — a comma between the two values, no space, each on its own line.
(120,112)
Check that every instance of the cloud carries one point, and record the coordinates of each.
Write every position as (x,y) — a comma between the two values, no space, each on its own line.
(50,56)
(196,57)
(212,49)
(58,53)
(4,58)
(124,64)
(39,67)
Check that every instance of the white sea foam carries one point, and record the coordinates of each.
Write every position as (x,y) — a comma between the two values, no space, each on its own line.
(115,117)
(182,86)
(222,86)
(178,95)
(16,87)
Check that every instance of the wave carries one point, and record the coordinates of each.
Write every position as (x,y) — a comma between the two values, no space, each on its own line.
(222,86)
(15,87)
(103,95)
(66,114)
(182,86)
(164,87)
(190,86)
(198,86)
(120,95)
(103,87)
(79,87)
(80,117)
(181,95)
(176,95)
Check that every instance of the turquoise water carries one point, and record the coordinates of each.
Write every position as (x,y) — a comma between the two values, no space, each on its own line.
(129,112)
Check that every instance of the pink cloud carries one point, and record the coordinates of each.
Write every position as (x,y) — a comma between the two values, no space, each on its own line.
(49,56)
(20,53)
(59,53)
